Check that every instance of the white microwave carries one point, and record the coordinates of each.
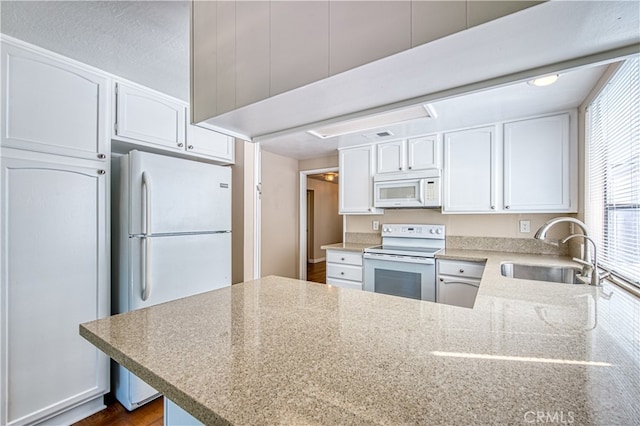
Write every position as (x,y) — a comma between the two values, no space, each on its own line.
(408,190)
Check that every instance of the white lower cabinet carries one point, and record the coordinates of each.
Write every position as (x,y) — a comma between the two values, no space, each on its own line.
(457,282)
(54,277)
(344,269)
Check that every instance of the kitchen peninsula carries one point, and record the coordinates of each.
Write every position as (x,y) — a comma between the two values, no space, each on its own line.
(284,351)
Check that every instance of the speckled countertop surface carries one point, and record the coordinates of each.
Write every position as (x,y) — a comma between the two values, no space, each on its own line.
(282,351)
(347,246)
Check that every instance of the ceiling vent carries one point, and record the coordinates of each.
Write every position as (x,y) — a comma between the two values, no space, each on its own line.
(378,135)
(374,121)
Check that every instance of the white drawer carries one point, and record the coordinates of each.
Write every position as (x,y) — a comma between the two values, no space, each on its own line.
(344,257)
(460,268)
(344,284)
(344,272)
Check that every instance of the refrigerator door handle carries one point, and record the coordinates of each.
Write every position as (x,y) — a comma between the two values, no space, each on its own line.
(146,243)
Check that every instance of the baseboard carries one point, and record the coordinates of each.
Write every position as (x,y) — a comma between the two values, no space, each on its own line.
(320,259)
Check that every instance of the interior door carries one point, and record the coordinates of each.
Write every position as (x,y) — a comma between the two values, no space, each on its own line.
(180,195)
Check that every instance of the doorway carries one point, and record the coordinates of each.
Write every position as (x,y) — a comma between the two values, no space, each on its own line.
(320,222)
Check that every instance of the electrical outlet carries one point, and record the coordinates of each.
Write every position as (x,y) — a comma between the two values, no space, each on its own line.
(376,225)
(525,226)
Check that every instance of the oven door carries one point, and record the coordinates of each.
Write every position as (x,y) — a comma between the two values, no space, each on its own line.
(404,276)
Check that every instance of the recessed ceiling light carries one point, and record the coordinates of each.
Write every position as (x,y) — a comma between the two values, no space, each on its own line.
(544,81)
(374,121)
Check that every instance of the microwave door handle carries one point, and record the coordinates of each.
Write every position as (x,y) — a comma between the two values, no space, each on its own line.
(421,190)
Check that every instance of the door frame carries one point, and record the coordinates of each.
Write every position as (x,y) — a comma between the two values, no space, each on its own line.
(302,231)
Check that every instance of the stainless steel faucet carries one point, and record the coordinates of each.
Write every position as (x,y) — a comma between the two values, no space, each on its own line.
(587,266)
(595,275)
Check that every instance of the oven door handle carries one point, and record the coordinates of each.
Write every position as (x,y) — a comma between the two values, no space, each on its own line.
(403,259)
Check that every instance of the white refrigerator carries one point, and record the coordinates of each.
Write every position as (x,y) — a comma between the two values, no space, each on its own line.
(171,238)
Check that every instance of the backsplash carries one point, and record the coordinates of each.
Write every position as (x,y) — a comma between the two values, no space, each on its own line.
(363,238)
(512,245)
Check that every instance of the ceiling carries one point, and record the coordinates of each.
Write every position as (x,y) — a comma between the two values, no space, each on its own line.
(148,42)
(503,103)
(143,41)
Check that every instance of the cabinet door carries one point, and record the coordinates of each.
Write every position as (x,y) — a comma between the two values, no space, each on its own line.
(356,180)
(469,172)
(457,291)
(51,106)
(210,144)
(537,164)
(390,157)
(54,278)
(144,116)
(423,153)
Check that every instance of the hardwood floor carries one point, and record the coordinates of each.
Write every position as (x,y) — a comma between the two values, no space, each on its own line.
(151,414)
(317,272)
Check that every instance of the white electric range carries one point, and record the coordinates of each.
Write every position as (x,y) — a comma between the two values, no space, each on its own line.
(404,265)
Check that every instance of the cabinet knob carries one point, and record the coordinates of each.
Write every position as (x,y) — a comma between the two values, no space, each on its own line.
(341,273)
(441,279)
(507,207)
(101,172)
(190,147)
(399,168)
(102,156)
(180,145)
(493,207)
(342,258)
(462,271)
(409,167)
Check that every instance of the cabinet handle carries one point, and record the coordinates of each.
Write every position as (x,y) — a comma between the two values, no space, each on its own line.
(462,271)
(102,156)
(180,145)
(101,172)
(190,147)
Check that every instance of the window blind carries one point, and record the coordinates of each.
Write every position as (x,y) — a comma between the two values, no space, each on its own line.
(612,206)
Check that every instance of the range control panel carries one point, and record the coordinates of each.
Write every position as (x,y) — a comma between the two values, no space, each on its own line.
(413,231)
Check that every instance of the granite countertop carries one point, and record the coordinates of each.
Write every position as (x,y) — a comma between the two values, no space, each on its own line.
(357,247)
(283,351)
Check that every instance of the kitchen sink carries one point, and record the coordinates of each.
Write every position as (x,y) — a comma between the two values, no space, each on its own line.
(554,274)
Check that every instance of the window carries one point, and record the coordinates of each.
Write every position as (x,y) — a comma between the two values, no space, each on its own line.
(612,207)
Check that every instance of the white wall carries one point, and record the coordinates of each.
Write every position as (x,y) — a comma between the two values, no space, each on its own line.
(279,247)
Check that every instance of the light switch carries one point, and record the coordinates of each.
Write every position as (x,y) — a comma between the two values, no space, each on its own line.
(376,225)
(525,226)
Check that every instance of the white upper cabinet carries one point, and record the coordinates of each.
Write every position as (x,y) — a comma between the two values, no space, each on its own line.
(469,172)
(213,145)
(391,156)
(144,116)
(357,166)
(537,164)
(528,165)
(408,155)
(52,105)
(423,153)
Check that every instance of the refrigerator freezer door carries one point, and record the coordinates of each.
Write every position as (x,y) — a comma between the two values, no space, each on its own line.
(178,195)
(178,266)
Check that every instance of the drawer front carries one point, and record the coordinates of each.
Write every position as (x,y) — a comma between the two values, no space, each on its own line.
(460,268)
(344,272)
(344,284)
(344,257)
